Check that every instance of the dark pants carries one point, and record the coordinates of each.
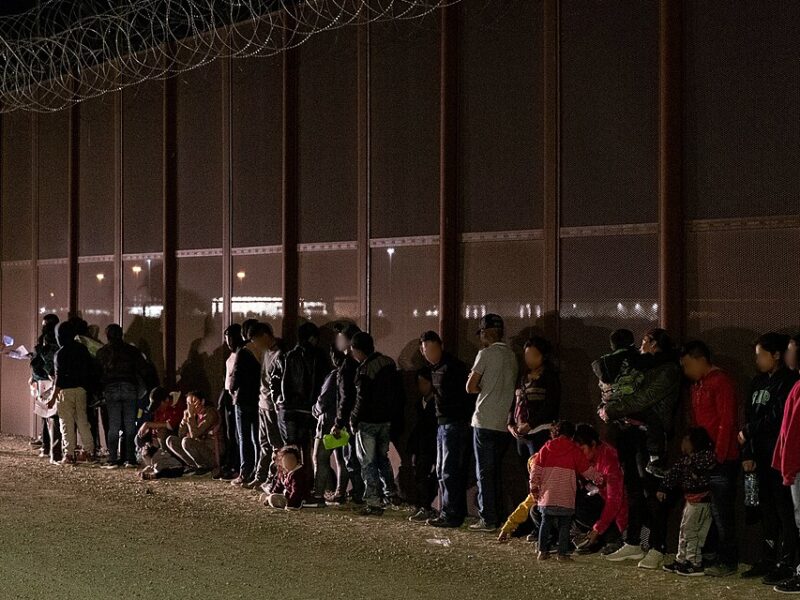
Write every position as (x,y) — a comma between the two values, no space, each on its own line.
(45,437)
(528,446)
(561,524)
(230,451)
(490,446)
(54,432)
(722,538)
(121,405)
(324,477)
(296,428)
(777,515)
(270,441)
(247,428)
(353,466)
(452,461)
(425,477)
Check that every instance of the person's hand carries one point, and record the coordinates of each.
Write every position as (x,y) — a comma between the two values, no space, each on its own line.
(592,537)
(523,429)
(741,438)
(336,432)
(748,466)
(513,431)
(661,496)
(601,412)
(52,403)
(503,537)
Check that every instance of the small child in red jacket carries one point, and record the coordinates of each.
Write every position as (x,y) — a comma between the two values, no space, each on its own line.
(293,485)
(554,484)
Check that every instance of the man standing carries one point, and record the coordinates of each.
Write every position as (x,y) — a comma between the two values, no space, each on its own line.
(378,389)
(493,378)
(714,408)
(453,412)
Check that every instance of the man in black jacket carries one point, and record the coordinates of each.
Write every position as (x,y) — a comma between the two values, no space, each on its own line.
(123,367)
(346,399)
(454,409)
(378,390)
(305,368)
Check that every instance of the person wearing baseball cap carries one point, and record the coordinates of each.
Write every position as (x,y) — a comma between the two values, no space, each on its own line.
(493,378)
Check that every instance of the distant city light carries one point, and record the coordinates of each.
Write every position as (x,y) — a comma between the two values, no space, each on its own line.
(136,269)
(100,277)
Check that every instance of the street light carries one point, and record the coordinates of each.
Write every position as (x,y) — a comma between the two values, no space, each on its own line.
(241,275)
(100,277)
(136,269)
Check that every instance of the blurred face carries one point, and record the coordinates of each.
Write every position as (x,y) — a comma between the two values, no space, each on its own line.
(194,402)
(765,361)
(288,461)
(358,354)
(230,343)
(792,357)
(588,451)
(490,336)
(432,351)
(342,343)
(648,346)
(694,368)
(533,358)
(424,386)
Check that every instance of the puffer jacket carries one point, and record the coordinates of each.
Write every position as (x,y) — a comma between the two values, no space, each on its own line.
(379,391)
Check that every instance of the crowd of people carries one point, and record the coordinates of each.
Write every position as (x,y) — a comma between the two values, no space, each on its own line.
(310,427)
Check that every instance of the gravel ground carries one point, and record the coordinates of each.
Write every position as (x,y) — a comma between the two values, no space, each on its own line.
(81,532)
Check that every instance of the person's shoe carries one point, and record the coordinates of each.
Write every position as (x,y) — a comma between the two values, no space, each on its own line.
(202,473)
(252,484)
(543,556)
(148,475)
(720,570)
(395,502)
(421,516)
(690,570)
(790,586)
(43,453)
(778,575)
(757,570)
(263,499)
(337,500)
(131,465)
(314,503)
(656,468)
(627,552)
(564,558)
(610,548)
(442,523)
(239,481)
(672,567)
(110,465)
(589,549)
(37,443)
(652,560)
(370,511)
(532,538)
(67,461)
(482,525)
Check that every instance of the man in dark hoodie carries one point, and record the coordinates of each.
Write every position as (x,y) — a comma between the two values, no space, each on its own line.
(42,372)
(305,369)
(378,390)
(123,366)
(345,400)
(454,410)
(74,370)
(758,437)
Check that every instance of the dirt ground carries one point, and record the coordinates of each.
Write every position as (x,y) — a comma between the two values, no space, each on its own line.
(81,532)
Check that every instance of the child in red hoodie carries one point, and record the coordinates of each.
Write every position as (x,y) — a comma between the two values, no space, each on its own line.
(293,485)
(554,484)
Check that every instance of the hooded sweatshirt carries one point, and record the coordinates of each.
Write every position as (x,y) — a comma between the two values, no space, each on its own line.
(764,413)
(73,363)
(786,458)
(554,475)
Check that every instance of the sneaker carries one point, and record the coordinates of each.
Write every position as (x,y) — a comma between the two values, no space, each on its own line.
(421,516)
(790,586)
(482,525)
(690,570)
(656,468)
(394,502)
(589,549)
(532,538)
(627,552)
(338,500)
(778,575)
(442,523)
(314,503)
(43,454)
(238,482)
(37,443)
(610,548)
(370,511)
(543,556)
(652,560)
(251,485)
(131,465)
(673,567)
(720,570)
(110,465)
(757,570)
(564,558)
(263,499)
(67,461)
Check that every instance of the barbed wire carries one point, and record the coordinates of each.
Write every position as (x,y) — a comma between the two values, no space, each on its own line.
(64,51)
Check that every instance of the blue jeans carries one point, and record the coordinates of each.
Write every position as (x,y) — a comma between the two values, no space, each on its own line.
(249,449)
(490,446)
(452,456)
(372,446)
(560,522)
(723,498)
(354,471)
(121,401)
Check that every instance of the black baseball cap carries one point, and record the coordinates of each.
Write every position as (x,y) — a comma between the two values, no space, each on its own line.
(491,321)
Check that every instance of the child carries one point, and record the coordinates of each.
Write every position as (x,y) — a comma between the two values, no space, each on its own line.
(292,487)
(553,483)
(692,474)
(422,443)
(526,508)
(620,373)
(162,417)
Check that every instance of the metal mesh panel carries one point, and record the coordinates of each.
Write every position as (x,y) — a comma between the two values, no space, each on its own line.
(328,286)
(96,294)
(17,321)
(500,143)
(257,289)
(52,290)
(143,306)
(53,184)
(609,111)
(741,101)
(16,156)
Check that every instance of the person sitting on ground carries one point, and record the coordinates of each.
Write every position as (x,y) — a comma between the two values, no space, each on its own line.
(598,508)
(165,412)
(553,483)
(692,474)
(526,508)
(422,444)
(292,488)
(194,443)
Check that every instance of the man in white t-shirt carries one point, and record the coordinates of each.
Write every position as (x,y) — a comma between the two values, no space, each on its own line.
(494,379)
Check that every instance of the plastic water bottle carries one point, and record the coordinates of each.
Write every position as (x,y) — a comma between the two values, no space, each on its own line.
(750,490)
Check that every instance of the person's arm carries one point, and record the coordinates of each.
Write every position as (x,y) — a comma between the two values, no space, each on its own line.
(346,397)
(198,430)
(725,402)
(613,498)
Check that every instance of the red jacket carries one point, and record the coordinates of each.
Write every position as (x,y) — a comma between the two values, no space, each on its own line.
(295,485)
(714,408)
(786,458)
(615,507)
(554,474)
